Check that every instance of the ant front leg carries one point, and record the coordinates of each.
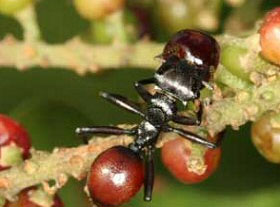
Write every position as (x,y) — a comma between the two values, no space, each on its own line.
(139,86)
(86,131)
(149,174)
(122,102)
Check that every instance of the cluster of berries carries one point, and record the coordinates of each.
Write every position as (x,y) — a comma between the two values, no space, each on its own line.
(15,147)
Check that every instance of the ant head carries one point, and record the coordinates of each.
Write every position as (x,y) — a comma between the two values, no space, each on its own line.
(181,80)
(196,47)
(190,58)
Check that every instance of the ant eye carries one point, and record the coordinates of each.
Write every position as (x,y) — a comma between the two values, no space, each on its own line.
(196,47)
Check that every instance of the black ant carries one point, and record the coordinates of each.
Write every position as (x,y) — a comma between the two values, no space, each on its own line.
(185,70)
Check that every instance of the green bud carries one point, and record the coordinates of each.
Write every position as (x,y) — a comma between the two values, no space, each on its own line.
(175,15)
(11,155)
(119,27)
(2,201)
(231,58)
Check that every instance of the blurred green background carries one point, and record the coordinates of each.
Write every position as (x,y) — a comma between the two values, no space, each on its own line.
(51,103)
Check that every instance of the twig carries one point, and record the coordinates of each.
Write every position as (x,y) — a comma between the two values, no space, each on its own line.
(28,20)
(77,56)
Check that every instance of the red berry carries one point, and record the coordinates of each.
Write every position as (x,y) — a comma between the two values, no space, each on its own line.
(196,47)
(269,36)
(14,142)
(115,176)
(143,18)
(186,165)
(25,199)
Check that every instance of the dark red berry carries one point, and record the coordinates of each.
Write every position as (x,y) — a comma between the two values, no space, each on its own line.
(144,20)
(115,176)
(186,165)
(57,202)
(197,48)
(14,142)
(27,198)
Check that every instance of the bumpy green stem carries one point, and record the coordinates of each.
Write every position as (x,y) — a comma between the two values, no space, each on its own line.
(77,55)
(250,98)
(27,19)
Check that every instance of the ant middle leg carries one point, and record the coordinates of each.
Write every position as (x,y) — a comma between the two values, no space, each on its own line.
(191,136)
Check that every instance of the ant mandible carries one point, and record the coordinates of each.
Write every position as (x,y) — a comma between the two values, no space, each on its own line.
(189,59)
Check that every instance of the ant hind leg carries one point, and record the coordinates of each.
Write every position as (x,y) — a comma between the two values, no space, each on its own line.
(149,175)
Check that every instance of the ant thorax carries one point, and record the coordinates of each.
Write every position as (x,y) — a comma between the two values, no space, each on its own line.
(165,103)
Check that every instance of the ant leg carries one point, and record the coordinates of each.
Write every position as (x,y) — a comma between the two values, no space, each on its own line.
(189,120)
(103,130)
(220,138)
(191,136)
(86,131)
(149,175)
(122,102)
(208,85)
(185,120)
(139,86)
(199,113)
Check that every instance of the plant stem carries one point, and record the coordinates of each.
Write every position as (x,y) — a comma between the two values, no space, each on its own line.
(27,19)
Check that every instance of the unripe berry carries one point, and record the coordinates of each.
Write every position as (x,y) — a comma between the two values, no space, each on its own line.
(96,9)
(115,176)
(176,15)
(232,58)
(269,36)
(9,7)
(14,142)
(265,133)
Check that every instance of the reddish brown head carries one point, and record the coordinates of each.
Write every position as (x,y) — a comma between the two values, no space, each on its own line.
(197,48)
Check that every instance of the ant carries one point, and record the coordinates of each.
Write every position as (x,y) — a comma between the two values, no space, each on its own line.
(184,72)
